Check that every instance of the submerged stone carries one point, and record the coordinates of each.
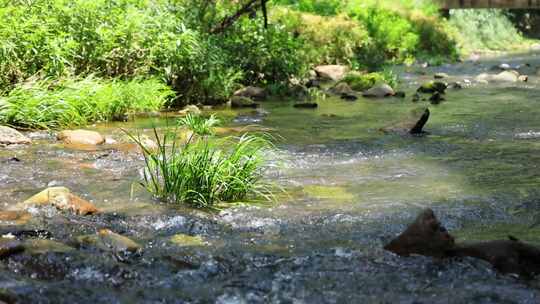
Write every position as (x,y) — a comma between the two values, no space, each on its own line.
(184,240)
(107,240)
(63,199)
(14,217)
(10,136)
(81,137)
(440,75)
(39,246)
(306,105)
(335,193)
(9,246)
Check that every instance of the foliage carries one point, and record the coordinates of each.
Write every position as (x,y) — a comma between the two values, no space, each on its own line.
(401,37)
(70,102)
(135,38)
(267,56)
(492,29)
(361,82)
(318,7)
(324,40)
(199,125)
(368,33)
(205,170)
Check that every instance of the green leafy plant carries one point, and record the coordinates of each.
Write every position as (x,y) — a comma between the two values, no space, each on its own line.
(44,104)
(204,170)
(199,124)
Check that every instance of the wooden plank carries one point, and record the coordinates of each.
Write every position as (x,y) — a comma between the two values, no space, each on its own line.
(464,4)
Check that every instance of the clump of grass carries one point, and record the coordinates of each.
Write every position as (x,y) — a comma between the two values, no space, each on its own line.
(205,170)
(199,124)
(44,104)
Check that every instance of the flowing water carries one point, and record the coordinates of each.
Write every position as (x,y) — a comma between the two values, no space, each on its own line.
(349,189)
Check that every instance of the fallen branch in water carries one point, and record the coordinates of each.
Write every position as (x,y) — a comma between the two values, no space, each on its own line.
(426,236)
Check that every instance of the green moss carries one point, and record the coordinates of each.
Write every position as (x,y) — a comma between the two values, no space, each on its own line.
(362,82)
(334,193)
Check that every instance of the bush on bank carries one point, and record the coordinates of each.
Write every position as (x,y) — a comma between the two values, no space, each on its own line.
(45,104)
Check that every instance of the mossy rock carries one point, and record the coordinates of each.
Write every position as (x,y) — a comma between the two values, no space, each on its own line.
(362,82)
(432,87)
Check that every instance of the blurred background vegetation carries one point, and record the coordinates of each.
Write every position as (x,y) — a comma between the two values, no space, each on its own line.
(171,41)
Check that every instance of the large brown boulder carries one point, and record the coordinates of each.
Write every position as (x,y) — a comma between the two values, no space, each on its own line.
(81,137)
(9,136)
(331,72)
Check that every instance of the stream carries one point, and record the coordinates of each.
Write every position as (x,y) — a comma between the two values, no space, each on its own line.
(349,189)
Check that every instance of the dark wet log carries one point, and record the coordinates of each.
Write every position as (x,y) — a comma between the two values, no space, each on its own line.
(417,128)
(426,236)
(507,256)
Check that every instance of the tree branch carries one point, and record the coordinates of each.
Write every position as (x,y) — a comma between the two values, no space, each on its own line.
(250,6)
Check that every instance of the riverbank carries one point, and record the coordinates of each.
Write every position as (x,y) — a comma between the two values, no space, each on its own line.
(132,40)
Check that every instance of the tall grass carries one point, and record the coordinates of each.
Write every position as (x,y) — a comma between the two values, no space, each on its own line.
(64,103)
(198,124)
(205,170)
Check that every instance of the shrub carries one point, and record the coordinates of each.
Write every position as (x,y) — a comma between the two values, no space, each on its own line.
(324,40)
(361,82)
(319,7)
(492,29)
(66,103)
(402,35)
(265,56)
(205,170)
